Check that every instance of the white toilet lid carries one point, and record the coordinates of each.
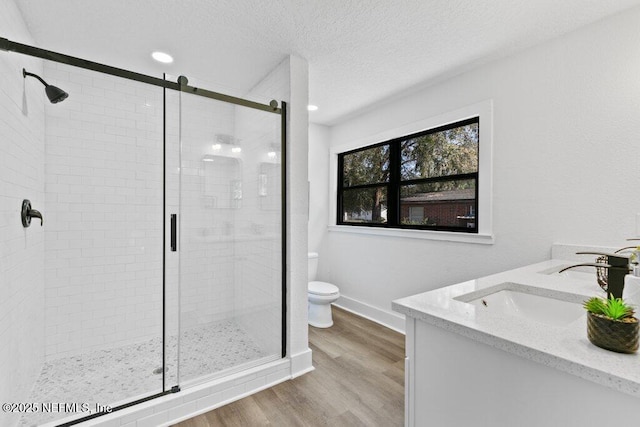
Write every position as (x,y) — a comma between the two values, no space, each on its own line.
(322,288)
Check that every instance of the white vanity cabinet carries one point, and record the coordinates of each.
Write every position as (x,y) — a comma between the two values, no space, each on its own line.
(465,367)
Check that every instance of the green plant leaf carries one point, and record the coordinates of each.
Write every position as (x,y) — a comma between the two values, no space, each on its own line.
(617,308)
(595,305)
(613,308)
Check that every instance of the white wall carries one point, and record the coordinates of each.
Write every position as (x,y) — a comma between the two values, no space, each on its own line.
(297,216)
(565,165)
(22,121)
(318,192)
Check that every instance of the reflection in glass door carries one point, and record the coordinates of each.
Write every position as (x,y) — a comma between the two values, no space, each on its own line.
(230,238)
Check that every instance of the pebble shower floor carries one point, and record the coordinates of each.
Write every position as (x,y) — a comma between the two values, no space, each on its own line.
(120,374)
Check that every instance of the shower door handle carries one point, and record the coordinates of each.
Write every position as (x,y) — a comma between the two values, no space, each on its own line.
(174,232)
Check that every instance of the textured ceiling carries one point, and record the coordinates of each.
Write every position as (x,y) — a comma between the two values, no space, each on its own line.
(359,51)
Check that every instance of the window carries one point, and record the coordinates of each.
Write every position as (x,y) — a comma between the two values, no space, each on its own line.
(416,214)
(427,180)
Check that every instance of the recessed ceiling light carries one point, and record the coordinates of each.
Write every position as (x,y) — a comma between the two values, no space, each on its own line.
(165,58)
(312,107)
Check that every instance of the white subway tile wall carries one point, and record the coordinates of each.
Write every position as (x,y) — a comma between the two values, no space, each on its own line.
(104,180)
(22,148)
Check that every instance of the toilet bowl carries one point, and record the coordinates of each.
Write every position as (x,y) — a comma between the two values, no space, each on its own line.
(320,296)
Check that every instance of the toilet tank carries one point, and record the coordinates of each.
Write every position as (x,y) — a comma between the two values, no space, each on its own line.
(313,265)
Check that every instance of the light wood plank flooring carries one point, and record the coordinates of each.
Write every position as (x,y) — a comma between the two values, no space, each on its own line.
(358,381)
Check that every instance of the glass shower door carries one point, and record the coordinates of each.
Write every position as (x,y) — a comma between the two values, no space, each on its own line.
(229,224)
(101,313)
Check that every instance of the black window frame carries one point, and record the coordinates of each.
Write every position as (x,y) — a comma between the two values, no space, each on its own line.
(395,183)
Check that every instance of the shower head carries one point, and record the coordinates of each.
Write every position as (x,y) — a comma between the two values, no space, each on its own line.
(55,94)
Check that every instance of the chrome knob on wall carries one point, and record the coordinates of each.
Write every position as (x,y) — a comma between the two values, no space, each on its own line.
(28,213)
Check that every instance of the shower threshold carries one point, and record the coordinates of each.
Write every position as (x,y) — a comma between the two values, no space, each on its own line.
(124,374)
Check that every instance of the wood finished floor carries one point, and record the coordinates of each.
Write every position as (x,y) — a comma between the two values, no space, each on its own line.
(358,381)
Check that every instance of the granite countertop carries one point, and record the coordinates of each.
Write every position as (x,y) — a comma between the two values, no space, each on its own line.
(566,348)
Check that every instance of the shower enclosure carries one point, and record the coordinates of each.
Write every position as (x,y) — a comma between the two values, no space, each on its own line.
(163,239)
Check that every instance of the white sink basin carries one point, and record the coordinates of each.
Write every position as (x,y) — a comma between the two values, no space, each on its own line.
(521,303)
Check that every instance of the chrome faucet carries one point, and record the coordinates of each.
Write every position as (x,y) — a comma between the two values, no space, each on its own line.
(617,266)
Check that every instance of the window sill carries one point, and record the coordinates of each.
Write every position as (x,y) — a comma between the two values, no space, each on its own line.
(448,236)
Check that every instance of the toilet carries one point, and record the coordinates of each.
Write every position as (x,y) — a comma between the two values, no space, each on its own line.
(321,295)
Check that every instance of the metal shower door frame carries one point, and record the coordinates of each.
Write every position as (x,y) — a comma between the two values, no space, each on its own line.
(11,46)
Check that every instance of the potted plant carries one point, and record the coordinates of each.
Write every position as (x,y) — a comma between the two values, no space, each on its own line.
(611,324)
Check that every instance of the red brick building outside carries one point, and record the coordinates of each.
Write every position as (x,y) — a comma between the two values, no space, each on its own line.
(453,208)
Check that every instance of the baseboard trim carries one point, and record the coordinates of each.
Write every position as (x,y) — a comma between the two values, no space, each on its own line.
(385,318)
(301,363)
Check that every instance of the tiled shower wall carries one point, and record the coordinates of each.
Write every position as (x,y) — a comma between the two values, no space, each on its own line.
(259,282)
(104,178)
(258,286)
(22,124)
